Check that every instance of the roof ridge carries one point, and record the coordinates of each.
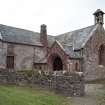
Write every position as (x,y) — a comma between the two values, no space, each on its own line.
(20,36)
(18,28)
(75,30)
(77,37)
(90,33)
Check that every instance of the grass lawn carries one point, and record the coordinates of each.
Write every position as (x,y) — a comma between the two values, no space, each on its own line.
(101,98)
(13,95)
(100,95)
(98,81)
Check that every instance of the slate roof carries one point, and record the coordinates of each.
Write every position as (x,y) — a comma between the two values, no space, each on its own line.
(76,38)
(17,35)
(70,41)
(68,50)
(73,54)
(51,40)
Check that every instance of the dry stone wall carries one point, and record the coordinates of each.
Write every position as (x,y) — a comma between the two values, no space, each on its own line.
(70,85)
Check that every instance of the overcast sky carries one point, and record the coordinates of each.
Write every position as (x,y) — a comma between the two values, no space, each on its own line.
(60,16)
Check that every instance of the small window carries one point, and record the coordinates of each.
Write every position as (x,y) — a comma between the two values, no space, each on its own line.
(76,67)
(10,62)
(102,55)
(40,67)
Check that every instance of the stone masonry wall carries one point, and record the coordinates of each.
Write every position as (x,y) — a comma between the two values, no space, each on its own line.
(24,55)
(91,67)
(56,50)
(71,85)
(3,53)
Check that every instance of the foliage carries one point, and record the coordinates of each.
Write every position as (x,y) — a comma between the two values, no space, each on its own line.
(46,74)
(29,73)
(36,73)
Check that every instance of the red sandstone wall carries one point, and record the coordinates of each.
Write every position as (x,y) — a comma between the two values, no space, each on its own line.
(91,55)
(57,50)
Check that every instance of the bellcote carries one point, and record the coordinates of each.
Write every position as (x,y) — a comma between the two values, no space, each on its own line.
(99,17)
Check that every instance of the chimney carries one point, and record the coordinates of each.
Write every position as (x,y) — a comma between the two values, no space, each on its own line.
(99,17)
(43,35)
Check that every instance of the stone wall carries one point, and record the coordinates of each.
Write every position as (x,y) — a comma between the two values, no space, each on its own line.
(3,54)
(70,85)
(57,50)
(91,67)
(24,55)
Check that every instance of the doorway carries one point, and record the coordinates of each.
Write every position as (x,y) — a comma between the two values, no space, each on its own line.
(57,64)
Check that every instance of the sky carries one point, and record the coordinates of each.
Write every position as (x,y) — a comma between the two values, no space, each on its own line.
(60,16)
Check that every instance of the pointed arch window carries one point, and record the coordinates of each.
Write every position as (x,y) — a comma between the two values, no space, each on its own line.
(102,55)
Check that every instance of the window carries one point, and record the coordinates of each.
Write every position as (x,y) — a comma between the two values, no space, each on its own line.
(76,67)
(40,67)
(102,55)
(10,62)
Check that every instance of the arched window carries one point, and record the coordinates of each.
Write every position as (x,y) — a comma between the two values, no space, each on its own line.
(77,67)
(102,55)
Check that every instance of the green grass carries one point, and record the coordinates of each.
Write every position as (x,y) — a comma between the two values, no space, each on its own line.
(101,98)
(13,95)
(101,95)
(98,81)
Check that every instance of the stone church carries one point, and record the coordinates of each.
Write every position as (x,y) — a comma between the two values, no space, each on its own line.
(82,50)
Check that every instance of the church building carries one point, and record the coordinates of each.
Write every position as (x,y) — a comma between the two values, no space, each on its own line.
(82,50)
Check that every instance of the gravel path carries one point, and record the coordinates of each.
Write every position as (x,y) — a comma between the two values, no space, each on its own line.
(92,90)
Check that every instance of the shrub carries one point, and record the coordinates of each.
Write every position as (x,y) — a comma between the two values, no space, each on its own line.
(29,73)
